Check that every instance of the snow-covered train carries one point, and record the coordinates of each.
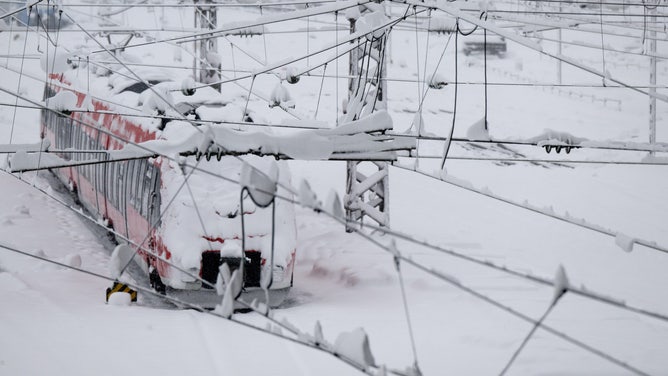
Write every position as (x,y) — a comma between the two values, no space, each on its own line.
(180,215)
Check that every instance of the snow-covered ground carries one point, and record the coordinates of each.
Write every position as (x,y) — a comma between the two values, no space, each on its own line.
(55,321)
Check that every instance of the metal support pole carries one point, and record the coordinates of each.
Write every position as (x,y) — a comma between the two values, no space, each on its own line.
(206,49)
(367,183)
(559,51)
(652,78)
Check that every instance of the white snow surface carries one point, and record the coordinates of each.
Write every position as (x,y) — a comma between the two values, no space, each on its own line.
(341,281)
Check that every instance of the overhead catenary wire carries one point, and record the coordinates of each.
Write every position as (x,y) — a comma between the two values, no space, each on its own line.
(346,40)
(496,303)
(265,20)
(297,340)
(563,218)
(534,160)
(526,339)
(155,91)
(585,2)
(18,88)
(458,13)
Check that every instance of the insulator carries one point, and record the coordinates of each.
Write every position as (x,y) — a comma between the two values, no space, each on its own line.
(292,79)
(188,87)
(548,148)
(558,149)
(568,149)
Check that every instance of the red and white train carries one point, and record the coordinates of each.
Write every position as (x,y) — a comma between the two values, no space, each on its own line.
(181,216)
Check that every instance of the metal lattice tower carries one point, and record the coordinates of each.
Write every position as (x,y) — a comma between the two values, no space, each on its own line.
(367,182)
(206,49)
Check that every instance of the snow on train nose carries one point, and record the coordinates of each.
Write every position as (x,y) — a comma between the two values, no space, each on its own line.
(230,252)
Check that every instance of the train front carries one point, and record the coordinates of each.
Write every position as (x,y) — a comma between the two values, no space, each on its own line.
(201,227)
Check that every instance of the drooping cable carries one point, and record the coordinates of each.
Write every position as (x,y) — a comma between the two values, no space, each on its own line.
(454,111)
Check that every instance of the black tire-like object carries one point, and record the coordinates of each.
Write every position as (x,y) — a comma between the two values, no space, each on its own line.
(156,282)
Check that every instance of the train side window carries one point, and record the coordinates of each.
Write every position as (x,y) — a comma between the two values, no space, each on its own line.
(155,198)
(68,136)
(103,175)
(77,144)
(129,198)
(139,174)
(89,146)
(114,183)
(120,191)
(107,179)
(59,133)
(110,182)
(81,157)
(148,176)
(98,167)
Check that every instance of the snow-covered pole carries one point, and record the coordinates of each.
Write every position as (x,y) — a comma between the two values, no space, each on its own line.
(652,77)
(351,166)
(367,195)
(559,51)
(206,49)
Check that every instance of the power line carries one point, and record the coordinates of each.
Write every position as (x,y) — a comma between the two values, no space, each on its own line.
(458,13)
(581,223)
(596,3)
(642,147)
(194,5)
(532,160)
(264,20)
(562,13)
(316,346)
(491,301)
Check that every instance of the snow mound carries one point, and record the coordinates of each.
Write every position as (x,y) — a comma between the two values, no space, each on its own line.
(73,260)
(159,101)
(188,86)
(317,333)
(560,283)
(262,186)
(120,257)
(333,204)
(477,131)
(352,13)
(371,21)
(281,97)
(437,81)
(552,137)
(64,101)
(120,299)
(55,60)
(307,197)
(228,113)
(355,346)
(624,242)
(440,24)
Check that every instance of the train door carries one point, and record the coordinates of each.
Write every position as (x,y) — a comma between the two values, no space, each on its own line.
(120,197)
(154,198)
(103,184)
